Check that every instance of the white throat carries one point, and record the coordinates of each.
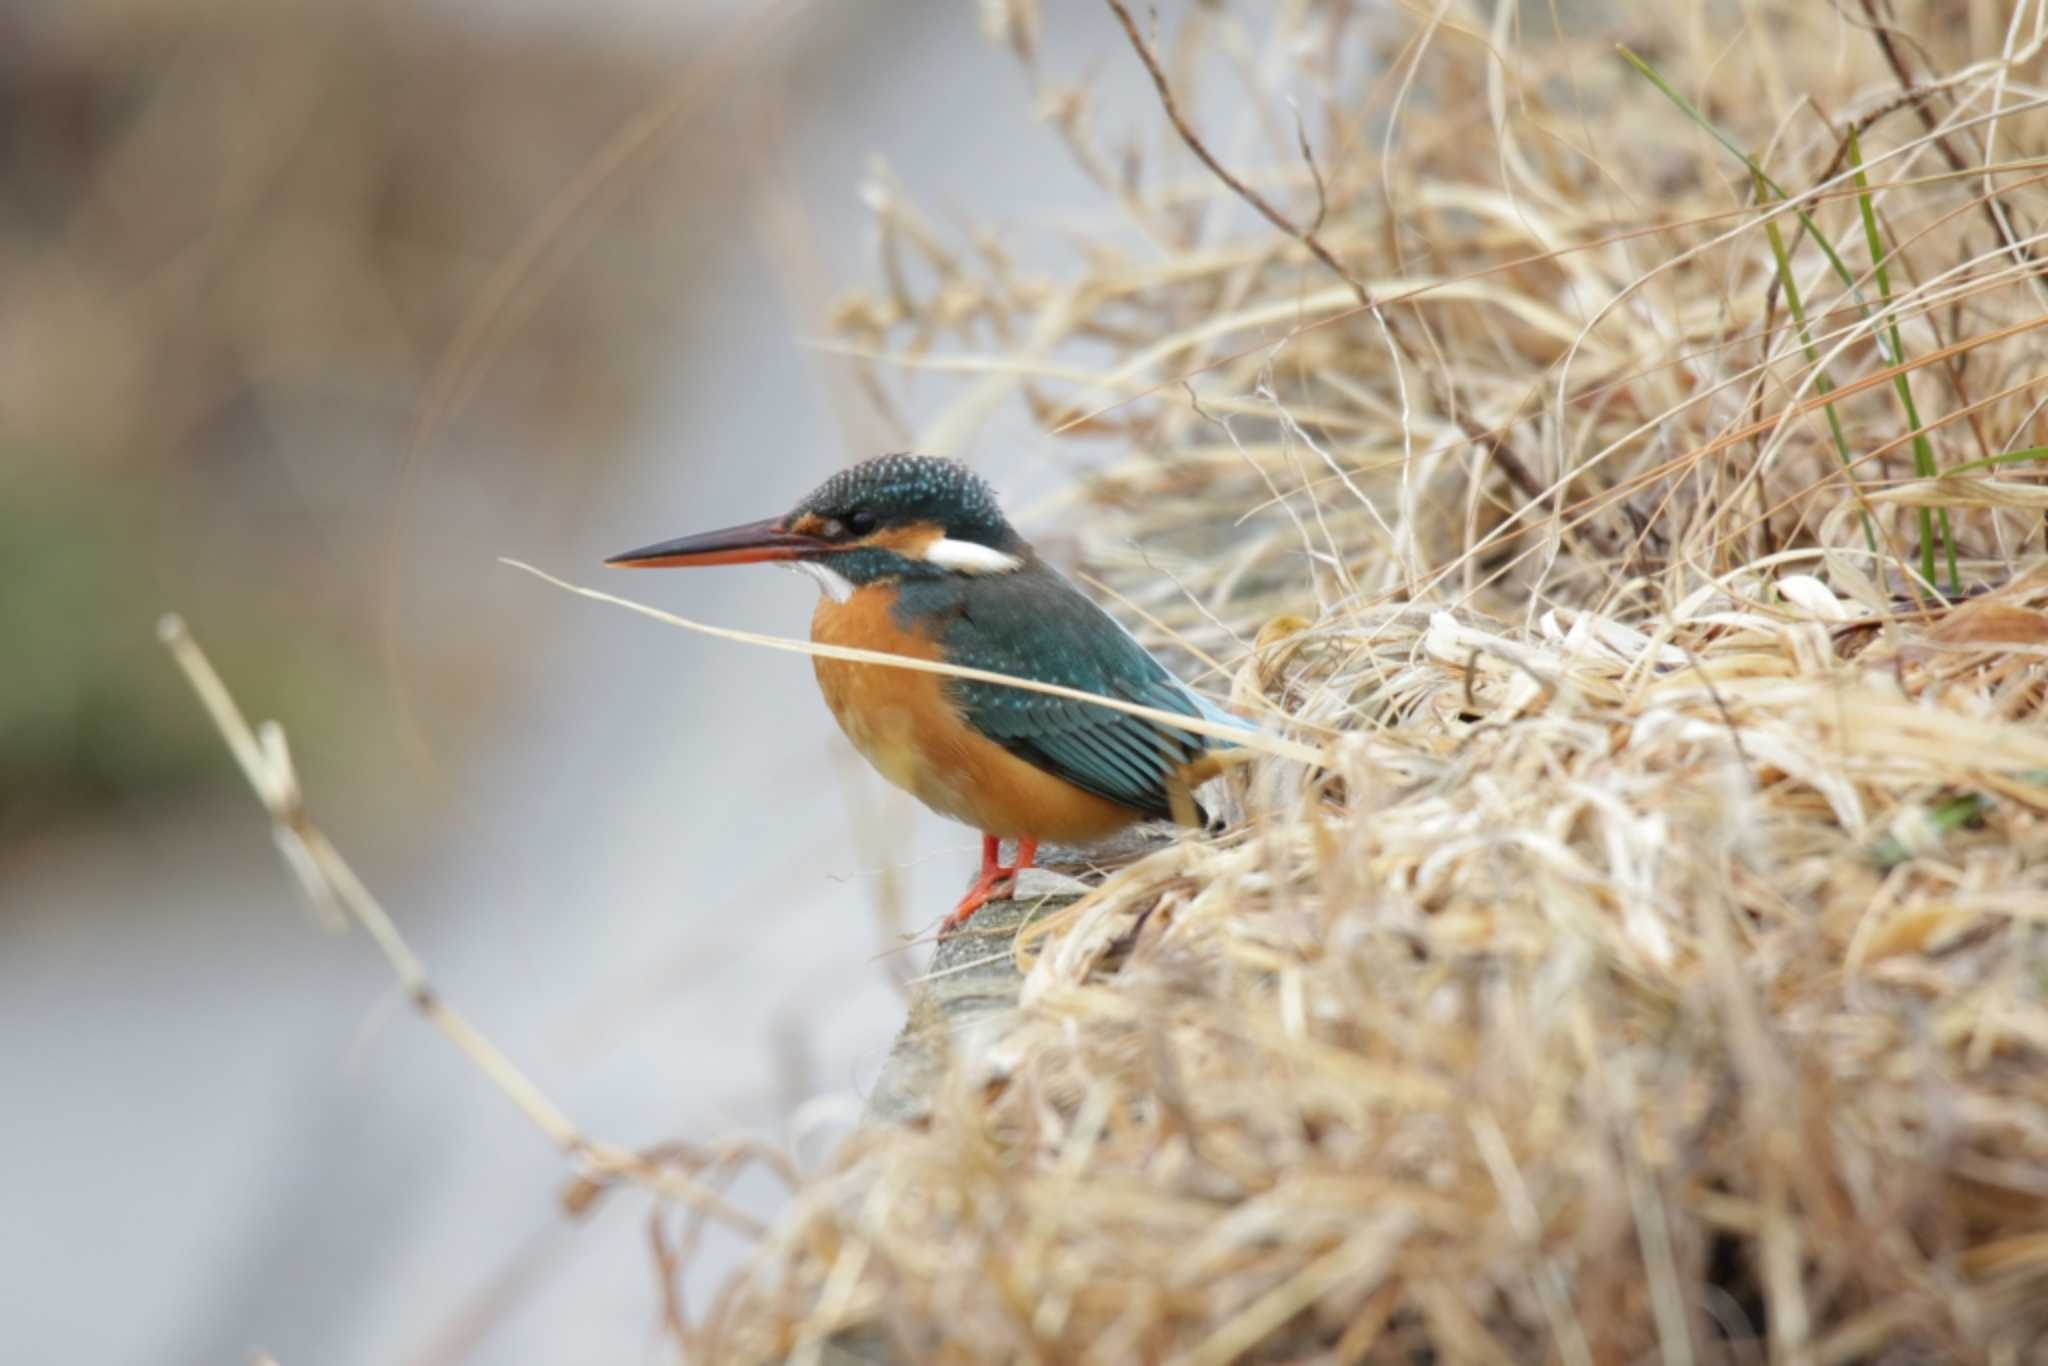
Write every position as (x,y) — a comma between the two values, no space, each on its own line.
(831,582)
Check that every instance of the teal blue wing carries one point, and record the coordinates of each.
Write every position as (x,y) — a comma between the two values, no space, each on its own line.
(1042,628)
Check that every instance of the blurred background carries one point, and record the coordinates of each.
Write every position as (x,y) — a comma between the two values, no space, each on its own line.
(258,365)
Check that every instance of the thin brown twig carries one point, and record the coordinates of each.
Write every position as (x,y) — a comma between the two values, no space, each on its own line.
(1496,449)
(668,1263)
(1307,237)
(1994,210)
(1507,268)
(1308,156)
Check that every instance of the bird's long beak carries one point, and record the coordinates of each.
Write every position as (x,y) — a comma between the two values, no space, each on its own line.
(752,543)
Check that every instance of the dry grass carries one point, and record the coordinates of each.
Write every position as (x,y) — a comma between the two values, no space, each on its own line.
(1655,968)
(1635,945)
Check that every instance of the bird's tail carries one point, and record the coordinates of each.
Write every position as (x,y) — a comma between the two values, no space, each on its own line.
(1206,765)
(1209,711)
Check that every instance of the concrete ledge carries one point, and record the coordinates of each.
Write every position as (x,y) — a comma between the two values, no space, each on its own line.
(973,979)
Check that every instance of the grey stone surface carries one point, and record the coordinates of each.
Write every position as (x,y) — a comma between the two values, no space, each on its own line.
(973,979)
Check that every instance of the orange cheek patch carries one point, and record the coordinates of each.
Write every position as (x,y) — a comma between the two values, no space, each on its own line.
(910,542)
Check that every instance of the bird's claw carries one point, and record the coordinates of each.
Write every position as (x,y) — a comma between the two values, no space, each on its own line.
(995,885)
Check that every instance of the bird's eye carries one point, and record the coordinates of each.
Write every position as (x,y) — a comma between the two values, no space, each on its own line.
(861,522)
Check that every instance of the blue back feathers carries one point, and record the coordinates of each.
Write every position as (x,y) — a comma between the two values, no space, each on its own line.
(1034,624)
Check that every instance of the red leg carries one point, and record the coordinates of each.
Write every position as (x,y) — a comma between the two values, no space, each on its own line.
(990,885)
(992,872)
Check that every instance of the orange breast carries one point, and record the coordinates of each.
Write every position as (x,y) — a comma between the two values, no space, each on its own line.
(903,723)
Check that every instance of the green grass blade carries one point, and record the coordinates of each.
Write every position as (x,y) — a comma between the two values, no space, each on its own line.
(1822,385)
(2002,458)
(1692,111)
(1934,523)
(1923,451)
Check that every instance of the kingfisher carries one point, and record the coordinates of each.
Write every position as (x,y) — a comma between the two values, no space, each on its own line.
(913,557)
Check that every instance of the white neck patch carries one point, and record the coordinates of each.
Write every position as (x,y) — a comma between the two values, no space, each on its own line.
(970,557)
(831,582)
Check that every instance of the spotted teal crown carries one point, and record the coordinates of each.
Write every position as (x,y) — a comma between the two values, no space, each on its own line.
(899,490)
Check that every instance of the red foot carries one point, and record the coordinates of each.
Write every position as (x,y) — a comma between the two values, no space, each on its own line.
(995,883)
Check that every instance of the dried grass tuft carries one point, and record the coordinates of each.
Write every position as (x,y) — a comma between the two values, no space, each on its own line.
(1656,965)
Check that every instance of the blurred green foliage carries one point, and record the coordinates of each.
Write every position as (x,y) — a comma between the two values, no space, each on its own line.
(91,711)
(234,241)
(83,716)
